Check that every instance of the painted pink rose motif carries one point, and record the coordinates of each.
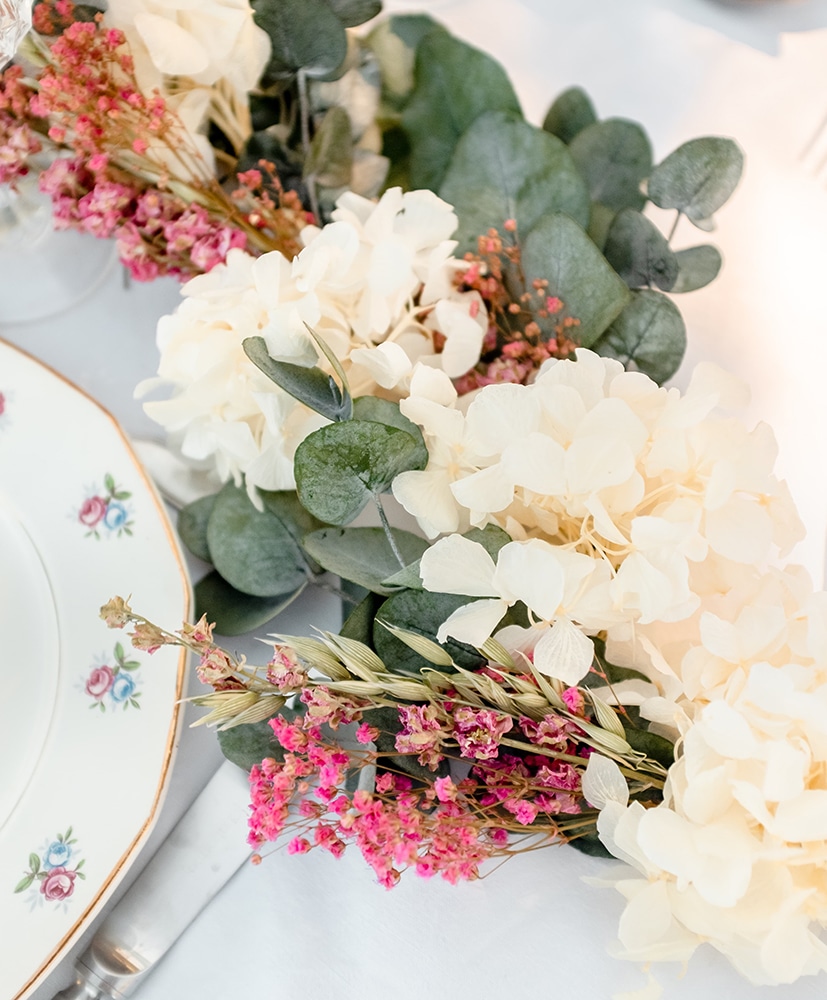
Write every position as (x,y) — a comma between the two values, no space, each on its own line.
(100,681)
(105,511)
(52,873)
(115,685)
(92,511)
(59,883)
(2,404)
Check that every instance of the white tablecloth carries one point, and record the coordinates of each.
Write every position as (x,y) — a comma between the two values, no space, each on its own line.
(312,927)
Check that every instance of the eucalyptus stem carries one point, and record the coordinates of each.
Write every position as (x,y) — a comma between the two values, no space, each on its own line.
(674,226)
(383,517)
(304,114)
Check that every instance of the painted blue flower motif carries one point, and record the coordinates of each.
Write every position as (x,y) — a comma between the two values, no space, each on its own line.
(104,511)
(57,854)
(122,687)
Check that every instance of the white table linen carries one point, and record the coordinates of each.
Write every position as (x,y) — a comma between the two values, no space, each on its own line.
(312,927)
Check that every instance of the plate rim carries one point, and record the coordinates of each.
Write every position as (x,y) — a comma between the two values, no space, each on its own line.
(130,854)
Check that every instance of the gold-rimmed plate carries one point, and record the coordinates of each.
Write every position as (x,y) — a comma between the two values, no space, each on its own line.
(87,724)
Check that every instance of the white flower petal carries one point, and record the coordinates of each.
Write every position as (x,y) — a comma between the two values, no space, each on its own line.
(531,572)
(603,782)
(387,364)
(473,623)
(564,652)
(456,565)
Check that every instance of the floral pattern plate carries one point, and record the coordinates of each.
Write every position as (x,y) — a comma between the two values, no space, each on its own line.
(87,725)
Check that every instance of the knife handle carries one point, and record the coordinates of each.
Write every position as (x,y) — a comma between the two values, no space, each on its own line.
(206,847)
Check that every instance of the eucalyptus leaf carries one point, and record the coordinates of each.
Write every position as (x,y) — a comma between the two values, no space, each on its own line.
(192,526)
(492,538)
(247,745)
(362,555)
(648,336)
(591,844)
(252,549)
(383,411)
(394,42)
(559,251)
(407,578)
(505,168)
(310,386)
(455,84)
(304,34)
(359,623)
(233,612)
(698,177)
(355,12)
(697,266)
(286,506)
(654,746)
(614,157)
(571,112)
(601,218)
(422,612)
(639,252)
(339,468)
(330,160)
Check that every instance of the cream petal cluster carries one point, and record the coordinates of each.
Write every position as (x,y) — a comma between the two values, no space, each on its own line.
(197,52)
(602,462)
(370,275)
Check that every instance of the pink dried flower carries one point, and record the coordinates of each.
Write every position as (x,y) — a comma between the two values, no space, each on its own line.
(478,733)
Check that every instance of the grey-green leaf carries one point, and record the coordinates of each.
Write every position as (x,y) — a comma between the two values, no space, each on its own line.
(455,84)
(248,745)
(253,550)
(330,160)
(304,34)
(422,612)
(383,411)
(492,538)
(192,526)
(339,468)
(310,386)
(232,612)
(697,266)
(394,42)
(648,336)
(698,177)
(639,252)
(362,555)
(355,12)
(505,168)
(559,251)
(614,157)
(571,112)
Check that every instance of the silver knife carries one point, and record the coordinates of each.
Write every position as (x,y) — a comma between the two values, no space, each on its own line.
(206,847)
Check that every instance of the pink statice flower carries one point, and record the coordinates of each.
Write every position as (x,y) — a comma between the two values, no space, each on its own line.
(478,732)
(422,733)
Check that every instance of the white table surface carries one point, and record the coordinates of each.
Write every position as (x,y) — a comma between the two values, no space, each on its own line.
(312,927)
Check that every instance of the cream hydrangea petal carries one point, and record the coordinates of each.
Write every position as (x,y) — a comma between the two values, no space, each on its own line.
(456,565)
(464,337)
(603,782)
(173,50)
(487,490)
(740,530)
(427,495)
(564,652)
(387,364)
(501,414)
(536,462)
(426,220)
(647,917)
(532,573)
(803,818)
(473,623)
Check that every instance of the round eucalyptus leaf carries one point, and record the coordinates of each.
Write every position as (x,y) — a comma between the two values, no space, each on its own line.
(362,555)
(639,252)
(571,112)
(355,12)
(394,41)
(601,218)
(192,526)
(304,34)
(422,612)
(558,251)
(648,336)
(614,157)
(455,84)
(232,612)
(339,468)
(697,266)
(252,549)
(383,411)
(698,177)
(505,168)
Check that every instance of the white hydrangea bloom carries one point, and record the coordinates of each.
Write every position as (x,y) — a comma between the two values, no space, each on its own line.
(361,283)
